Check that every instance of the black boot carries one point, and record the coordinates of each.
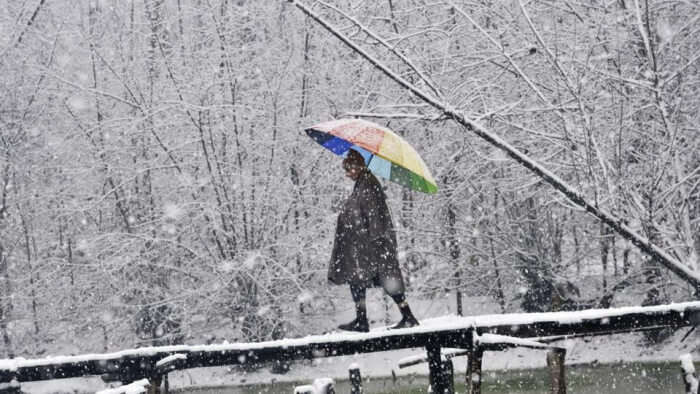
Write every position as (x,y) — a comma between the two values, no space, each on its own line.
(358,325)
(407,318)
(406,322)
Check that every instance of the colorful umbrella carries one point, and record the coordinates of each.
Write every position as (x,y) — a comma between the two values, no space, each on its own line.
(386,154)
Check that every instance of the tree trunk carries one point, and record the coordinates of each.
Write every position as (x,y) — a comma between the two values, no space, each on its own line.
(5,299)
(604,249)
(30,272)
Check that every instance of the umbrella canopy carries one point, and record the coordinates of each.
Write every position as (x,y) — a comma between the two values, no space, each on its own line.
(386,154)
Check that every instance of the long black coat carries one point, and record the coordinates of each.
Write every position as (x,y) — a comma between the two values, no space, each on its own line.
(364,249)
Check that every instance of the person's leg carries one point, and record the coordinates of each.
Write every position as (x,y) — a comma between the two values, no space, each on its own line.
(394,288)
(359,297)
(407,318)
(361,324)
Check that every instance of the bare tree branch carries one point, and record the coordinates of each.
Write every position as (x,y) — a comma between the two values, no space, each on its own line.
(615,223)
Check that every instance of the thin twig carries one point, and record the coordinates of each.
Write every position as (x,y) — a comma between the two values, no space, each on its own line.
(391,48)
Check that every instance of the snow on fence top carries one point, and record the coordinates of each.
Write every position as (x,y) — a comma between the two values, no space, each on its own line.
(166,360)
(446,354)
(495,339)
(137,387)
(447,331)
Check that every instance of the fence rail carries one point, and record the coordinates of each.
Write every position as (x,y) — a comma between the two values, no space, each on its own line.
(432,334)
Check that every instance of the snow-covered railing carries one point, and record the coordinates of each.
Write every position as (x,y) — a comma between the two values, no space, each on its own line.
(501,342)
(447,354)
(432,334)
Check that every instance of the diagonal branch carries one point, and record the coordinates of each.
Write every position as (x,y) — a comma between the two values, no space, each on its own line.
(29,24)
(560,185)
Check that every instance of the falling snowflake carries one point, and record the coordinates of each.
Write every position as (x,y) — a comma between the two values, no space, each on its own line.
(263,311)
(172,211)
(253,260)
(664,30)
(227,266)
(305,297)
(78,103)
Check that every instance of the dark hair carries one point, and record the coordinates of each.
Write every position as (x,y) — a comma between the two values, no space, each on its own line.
(354,158)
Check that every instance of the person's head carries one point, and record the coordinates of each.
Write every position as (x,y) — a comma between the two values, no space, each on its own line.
(353,164)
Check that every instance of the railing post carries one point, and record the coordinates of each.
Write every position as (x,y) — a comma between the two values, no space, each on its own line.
(690,378)
(10,388)
(434,368)
(154,384)
(355,379)
(474,369)
(557,370)
(438,379)
(448,373)
(163,367)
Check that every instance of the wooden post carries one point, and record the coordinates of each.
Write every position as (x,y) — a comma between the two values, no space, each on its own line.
(163,367)
(448,372)
(10,388)
(355,379)
(438,382)
(154,384)
(557,370)
(474,370)
(690,378)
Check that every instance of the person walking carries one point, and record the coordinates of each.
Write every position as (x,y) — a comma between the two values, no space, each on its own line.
(364,249)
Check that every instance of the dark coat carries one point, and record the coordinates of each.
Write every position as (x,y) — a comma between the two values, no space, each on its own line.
(364,249)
